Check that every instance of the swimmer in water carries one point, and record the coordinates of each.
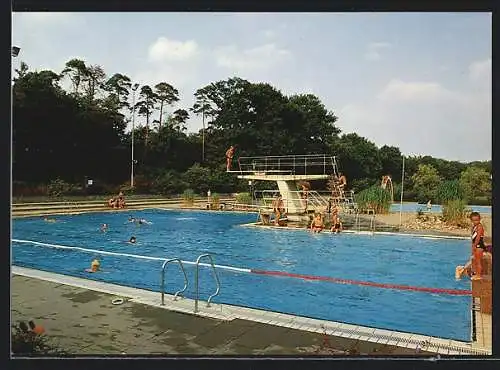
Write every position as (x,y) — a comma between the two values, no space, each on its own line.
(95,266)
(132,240)
(131,219)
(47,219)
(104,228)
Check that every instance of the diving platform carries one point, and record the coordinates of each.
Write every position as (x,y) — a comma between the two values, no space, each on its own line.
(290,172)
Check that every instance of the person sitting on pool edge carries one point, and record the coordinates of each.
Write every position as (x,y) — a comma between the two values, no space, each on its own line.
(336,224)
(121,200)
(317,224)
(112,203)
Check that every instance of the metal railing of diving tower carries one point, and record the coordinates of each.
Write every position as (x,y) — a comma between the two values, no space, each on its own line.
(304,164)
(315,201)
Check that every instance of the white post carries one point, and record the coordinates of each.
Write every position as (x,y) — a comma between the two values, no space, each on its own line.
(134,88)
(203,137)
(401,202)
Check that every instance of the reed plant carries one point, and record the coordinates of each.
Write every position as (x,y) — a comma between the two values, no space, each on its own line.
(188,197)
(215,200)
(374,198)
(455,212)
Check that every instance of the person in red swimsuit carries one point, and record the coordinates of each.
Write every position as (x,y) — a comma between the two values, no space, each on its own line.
(478,246)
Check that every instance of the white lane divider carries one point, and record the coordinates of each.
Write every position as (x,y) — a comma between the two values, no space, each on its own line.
(87,250)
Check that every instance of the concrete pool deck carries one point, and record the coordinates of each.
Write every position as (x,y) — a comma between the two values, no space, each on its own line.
(79,318)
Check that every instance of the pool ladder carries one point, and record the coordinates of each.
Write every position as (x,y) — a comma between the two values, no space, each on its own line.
(186,281)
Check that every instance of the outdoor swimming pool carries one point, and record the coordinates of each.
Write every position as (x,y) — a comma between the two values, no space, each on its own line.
(436,208)
(187,234)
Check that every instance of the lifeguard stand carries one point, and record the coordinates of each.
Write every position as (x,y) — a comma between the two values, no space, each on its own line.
(287,171)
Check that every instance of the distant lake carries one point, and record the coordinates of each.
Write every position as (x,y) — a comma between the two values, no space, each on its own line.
(436,208)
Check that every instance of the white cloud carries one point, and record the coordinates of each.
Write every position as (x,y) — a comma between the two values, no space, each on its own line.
(424,118)
(480,71)
(374,50)
(258,58)
(164,49)
(397,90)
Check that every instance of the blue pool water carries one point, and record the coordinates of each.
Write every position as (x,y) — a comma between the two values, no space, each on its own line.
(184,234)
(411,207)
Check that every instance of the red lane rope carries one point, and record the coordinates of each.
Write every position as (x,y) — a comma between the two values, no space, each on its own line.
(365,283)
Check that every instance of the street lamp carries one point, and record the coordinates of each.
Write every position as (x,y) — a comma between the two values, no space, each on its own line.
(134,89)
(15,51)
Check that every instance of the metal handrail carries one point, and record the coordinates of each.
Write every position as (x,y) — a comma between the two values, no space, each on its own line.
(285,163)
(196,281)
(163,269)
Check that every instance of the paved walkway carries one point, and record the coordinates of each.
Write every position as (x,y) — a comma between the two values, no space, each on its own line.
(81,321)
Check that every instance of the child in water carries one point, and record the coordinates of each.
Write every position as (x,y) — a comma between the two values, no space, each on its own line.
(95,266)
(104,228)
(132,240)
(47,219)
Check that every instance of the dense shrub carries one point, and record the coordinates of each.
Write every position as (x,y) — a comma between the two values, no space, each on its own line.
(197,178)
(374,198)
(244,198)
(169,183)
(26,343)
(24,189)
(58,188)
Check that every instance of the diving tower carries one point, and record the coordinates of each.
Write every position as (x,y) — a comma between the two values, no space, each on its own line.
(287,171)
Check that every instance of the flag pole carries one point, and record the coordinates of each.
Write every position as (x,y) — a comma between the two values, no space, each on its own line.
(401,201)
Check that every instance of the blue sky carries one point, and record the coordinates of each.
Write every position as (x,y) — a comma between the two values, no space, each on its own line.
(419,81)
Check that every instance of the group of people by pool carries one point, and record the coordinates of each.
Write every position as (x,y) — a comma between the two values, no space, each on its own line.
(318,221)
(117,202)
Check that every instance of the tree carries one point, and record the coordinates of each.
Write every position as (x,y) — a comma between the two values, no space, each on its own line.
(359,159)
(118,86)
(22,71)
(179,119)
(425,182)
(391,161)
(95,77)
(167,95)
(77,71)
(476,182)
(146,106)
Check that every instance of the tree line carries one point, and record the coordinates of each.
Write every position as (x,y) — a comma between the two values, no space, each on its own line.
(80,132)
